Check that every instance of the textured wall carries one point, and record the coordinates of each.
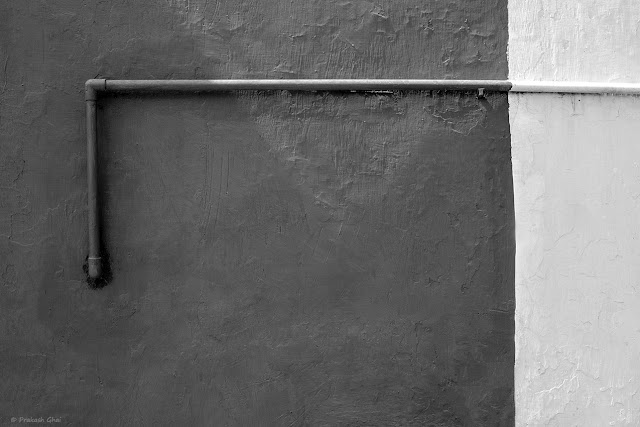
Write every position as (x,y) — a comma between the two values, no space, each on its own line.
(576,190)
(277,258)
(583,40)
(577,200)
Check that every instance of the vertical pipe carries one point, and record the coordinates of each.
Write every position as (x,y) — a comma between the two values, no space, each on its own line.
(94,261)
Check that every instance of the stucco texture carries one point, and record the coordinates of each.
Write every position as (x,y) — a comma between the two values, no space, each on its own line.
(276,258)
(577,40)
(577,201)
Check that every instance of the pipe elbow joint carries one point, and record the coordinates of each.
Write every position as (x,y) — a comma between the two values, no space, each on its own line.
(92,87)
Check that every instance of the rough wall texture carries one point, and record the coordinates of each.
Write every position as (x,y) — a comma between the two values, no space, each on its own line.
(576,189)
(583,40)
(577,200)
(277,258)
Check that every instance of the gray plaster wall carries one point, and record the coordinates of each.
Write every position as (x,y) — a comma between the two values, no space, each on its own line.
(276,258)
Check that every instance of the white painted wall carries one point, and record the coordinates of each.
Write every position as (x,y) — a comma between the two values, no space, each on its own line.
(576,169)
(590,40)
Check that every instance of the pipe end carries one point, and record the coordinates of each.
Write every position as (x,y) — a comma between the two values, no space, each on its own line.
(92,87)
(94,267)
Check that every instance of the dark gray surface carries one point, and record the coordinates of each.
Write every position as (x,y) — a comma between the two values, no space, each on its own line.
(277,259)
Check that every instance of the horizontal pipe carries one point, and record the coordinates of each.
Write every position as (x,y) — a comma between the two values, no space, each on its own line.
(304,85)
(575,87)
(99,85)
